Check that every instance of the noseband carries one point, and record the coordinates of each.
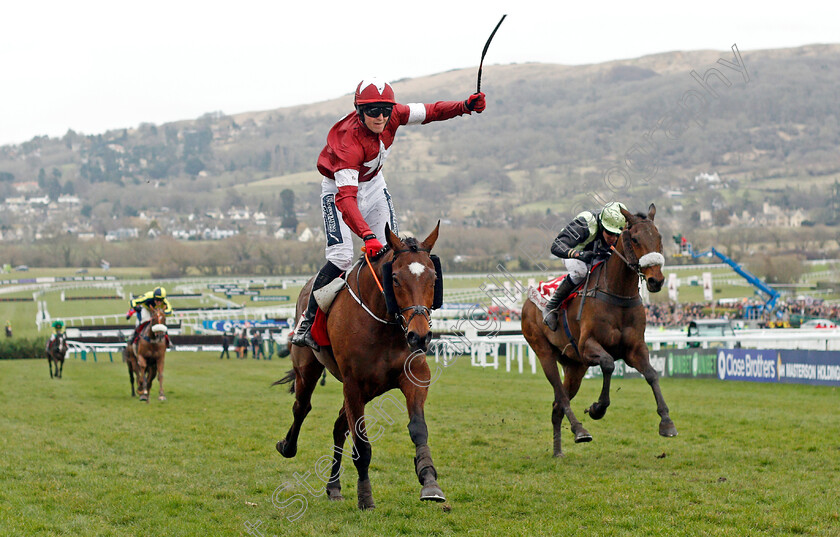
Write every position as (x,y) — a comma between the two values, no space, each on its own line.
(635,263)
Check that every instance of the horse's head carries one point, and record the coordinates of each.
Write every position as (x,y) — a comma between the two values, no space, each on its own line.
(643,247)
(158,322)
(413,285)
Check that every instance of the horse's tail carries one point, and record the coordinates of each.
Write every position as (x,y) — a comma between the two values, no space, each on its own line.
(289,378)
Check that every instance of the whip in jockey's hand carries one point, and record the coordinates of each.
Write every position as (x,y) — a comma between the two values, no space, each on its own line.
(354,197)
(475,103)
(586,238)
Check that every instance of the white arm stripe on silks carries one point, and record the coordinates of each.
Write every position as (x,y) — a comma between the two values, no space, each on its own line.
(346,177)
(416,113)
(651,259)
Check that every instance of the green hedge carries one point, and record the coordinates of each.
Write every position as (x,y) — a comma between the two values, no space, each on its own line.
(17,348)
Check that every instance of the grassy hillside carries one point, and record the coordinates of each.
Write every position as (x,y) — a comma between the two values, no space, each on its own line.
(550,135)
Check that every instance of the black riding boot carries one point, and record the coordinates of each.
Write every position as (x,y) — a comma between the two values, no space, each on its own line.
(303,334)
(563,290)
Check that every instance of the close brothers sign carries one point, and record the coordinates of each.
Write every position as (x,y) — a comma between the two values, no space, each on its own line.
(788,366)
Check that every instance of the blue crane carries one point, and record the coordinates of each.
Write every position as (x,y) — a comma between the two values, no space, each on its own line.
(772,294)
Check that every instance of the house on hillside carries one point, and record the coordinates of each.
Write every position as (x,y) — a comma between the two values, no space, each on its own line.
(239,214)
(122,234)
(773,215)
(25,186)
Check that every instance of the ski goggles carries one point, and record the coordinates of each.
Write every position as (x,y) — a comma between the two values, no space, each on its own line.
(375,110)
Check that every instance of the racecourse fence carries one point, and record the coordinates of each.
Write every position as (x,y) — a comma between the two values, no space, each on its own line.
(810,356)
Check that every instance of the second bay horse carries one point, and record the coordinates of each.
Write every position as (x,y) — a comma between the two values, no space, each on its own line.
(611,327)
(145,359)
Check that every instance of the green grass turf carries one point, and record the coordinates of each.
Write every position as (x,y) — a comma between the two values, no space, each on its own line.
(80,457)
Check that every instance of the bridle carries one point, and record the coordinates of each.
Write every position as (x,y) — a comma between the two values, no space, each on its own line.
(390,301)
(636,264)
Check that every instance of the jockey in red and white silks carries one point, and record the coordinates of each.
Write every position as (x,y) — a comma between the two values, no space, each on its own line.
(354,196)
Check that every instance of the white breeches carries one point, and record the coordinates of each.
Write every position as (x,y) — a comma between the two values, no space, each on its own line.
(376,207)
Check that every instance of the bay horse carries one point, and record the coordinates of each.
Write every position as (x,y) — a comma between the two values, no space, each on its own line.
(56,351)
(378,337)
(145,358)
(611,327)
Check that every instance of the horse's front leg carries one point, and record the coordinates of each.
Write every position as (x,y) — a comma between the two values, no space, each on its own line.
(60,367)
(354,407)
(415,388)
(594,352)
(639,358)
(340,432)
(142,378)
(50,365)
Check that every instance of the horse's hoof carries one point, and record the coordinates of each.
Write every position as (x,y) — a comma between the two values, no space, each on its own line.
(596,411)
(432,493)
(559,454)
(162,398)
(365,495)
(334,495)
(285,449)
(667,429)
(583,436)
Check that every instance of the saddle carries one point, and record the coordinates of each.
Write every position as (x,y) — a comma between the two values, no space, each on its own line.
(541,294)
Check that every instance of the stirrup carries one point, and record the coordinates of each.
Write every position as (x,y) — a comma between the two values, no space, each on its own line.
(551,318)
(305,340)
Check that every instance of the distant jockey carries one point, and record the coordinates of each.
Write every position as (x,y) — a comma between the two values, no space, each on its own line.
(58,332)
(354,196)
(143,305)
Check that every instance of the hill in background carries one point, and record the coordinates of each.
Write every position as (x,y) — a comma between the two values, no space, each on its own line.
(706,135)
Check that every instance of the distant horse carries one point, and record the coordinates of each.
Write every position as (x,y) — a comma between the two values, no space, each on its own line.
(611,327)
(56,351)
(145,358)
(378,342)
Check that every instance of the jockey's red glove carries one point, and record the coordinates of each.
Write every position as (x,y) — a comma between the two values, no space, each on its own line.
(476,103)
(129,314)
(372,245)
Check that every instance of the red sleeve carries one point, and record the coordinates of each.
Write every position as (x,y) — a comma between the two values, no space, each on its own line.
(443,110)
(346,202)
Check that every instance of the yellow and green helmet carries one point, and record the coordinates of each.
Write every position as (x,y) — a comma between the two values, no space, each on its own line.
(611,217)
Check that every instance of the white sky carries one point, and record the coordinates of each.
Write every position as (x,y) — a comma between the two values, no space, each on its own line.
(96,65)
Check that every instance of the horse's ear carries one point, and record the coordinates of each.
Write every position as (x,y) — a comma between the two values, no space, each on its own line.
(429,242)
(391,238)
(628,216)
(651,211)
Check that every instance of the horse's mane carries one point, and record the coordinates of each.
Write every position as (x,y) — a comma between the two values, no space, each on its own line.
(641,216)
(412,244)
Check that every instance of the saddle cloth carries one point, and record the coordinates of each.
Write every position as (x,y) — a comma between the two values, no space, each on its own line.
(319,329)
(324,297)
(541,294)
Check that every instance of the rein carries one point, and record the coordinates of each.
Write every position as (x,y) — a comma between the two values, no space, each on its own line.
(611,298)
